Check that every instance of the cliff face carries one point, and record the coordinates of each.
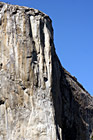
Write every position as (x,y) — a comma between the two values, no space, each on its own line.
(39,99)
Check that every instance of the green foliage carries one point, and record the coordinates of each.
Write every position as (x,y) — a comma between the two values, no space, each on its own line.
(92,138)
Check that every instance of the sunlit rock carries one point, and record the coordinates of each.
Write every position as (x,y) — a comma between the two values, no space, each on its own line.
(39,99)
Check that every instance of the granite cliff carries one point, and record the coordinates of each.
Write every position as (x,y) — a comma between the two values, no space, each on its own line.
(39,99)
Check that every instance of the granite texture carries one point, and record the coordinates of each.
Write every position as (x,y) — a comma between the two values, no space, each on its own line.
(39,99)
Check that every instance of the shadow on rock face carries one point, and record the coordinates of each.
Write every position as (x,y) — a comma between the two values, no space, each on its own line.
(71,115)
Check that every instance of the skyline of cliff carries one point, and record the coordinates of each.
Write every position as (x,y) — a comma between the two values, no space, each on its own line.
(73,35)
(39,98)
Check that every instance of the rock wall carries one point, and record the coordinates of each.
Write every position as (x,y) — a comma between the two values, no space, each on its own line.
(73,105)
(39,99)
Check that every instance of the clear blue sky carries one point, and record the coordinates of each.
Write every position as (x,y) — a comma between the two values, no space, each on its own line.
(73,34)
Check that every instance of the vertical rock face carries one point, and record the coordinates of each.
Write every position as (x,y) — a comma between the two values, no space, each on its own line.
(39,99)
(26,41)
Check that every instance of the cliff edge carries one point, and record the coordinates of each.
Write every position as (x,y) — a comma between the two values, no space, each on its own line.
(39,99)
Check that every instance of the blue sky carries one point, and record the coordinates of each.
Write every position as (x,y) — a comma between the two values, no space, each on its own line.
(73,34)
